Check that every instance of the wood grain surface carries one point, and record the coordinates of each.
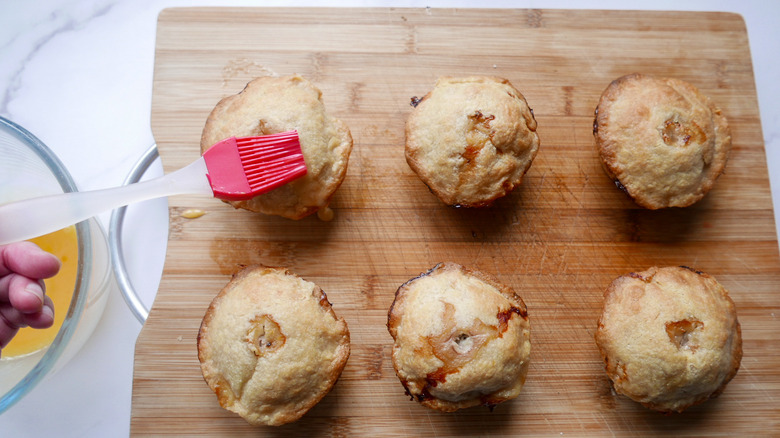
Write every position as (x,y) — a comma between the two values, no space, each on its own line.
(558,240)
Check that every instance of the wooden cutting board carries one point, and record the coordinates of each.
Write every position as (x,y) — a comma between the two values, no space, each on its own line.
(558,240)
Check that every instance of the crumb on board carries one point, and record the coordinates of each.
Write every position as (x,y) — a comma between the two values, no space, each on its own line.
(192,213)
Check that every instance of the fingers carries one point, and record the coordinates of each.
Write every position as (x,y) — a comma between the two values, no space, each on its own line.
(25,294)
(44,318)
(29,260)
(22,265)
(23,302)
(11,320)
(7,330)
(14,318)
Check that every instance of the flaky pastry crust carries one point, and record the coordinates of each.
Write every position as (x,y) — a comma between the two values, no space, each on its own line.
(270,105)
(461,339)
(471,140)
(669,337)
(662,141)
(270,345)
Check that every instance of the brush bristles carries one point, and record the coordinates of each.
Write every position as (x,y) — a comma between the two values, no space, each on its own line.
(271,160)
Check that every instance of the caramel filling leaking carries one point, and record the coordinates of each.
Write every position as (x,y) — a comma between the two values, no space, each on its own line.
(456,346)
(680,333)
(647,279)
(478,134)
(265,336)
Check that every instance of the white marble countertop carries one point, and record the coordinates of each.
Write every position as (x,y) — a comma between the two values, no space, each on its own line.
(78,75)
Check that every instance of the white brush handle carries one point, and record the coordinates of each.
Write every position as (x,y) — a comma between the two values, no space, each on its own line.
(37,216)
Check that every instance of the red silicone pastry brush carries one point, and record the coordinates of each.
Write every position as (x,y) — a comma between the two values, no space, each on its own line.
(233,169)
(242,168)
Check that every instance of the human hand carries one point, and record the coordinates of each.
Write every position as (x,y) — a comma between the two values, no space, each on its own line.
(23,301)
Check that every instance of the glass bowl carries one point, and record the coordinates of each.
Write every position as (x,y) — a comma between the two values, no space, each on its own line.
(28,168)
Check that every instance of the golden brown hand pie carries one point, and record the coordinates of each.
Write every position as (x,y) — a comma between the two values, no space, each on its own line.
(270,105)
(461,339)
(669,337)
(471,140)
(660,140)
(270,345)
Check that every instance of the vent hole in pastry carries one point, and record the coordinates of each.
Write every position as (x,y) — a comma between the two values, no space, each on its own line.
(264,335)
(463,343)
(455,346)
(680,333)
(676,133)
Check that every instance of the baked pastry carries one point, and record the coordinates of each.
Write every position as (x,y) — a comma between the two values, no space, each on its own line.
(471,140)
(270,105)
(661,140)
(669,337)
(270,345)
(461,339)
